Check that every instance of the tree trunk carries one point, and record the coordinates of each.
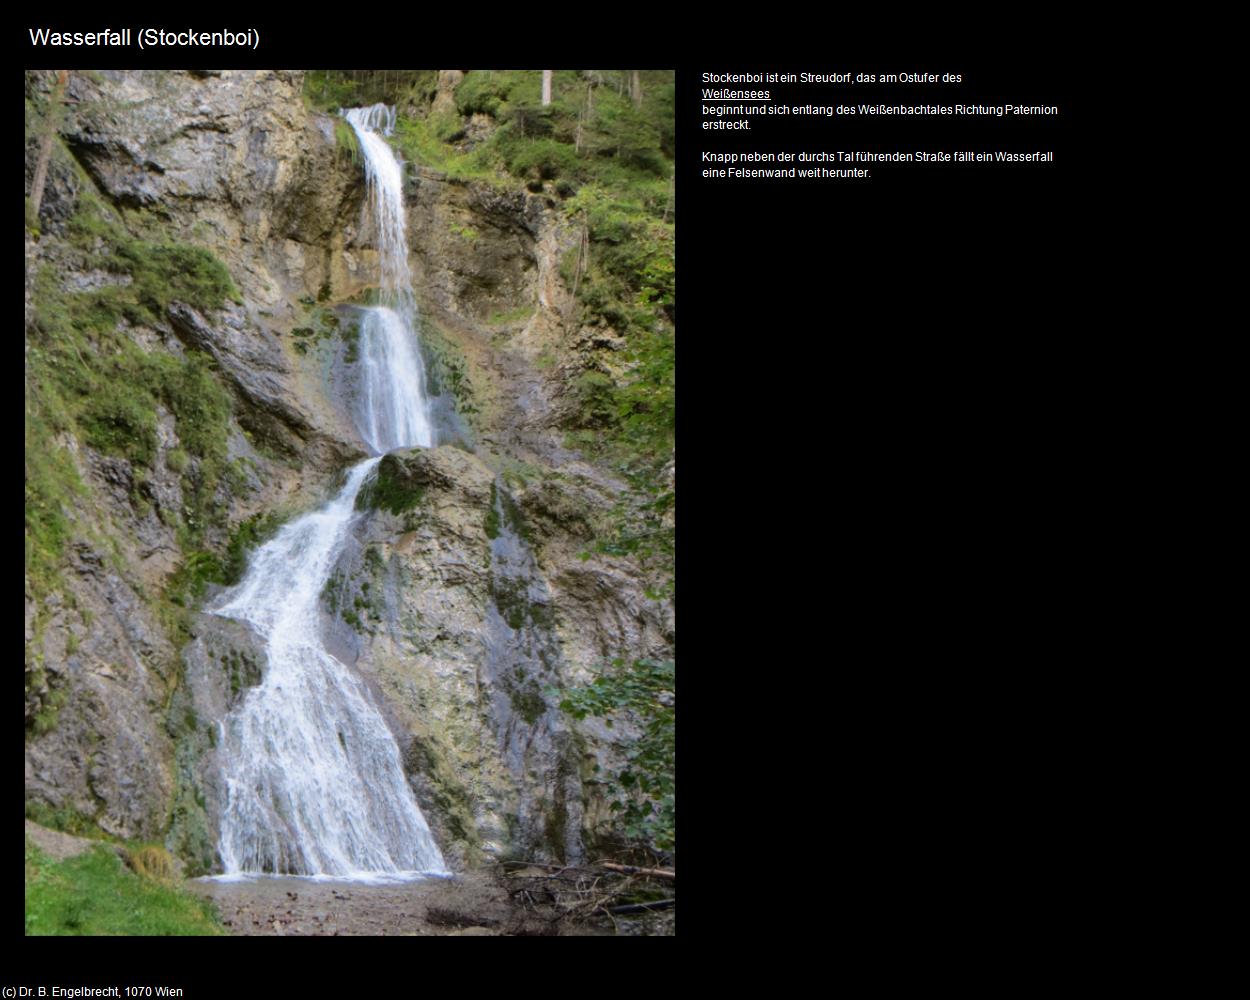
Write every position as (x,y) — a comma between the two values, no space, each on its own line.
(51,121)
(582,118)
(546,87)
(635,88)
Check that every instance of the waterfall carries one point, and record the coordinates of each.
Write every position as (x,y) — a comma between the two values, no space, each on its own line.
(388,352)
(314,784)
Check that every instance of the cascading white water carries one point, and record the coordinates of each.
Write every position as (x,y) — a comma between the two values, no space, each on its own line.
(388,350)
(385,418)
(313,778)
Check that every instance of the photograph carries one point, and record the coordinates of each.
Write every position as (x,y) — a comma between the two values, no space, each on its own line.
(350,498)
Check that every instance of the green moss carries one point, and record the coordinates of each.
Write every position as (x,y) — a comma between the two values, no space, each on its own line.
(189,836)
(390,489)
(347,141)
(330,592)
(492,514)
(513,517)
(246,537)
(50,707)
(555,823)
(94,894)
(88,378)
(52,489)
(527,701)
(447,369)
(197,570)
(511,599)
(451,800)
(486,91)
(160,272)
(350,335)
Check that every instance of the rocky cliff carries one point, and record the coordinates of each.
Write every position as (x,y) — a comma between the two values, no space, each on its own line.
(190,282)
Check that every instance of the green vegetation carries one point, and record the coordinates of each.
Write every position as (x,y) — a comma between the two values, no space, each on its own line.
(347,141)
(609,158)
(350,335)
(644,787)
(87,378)
(248,536)
(391,488)
(428,756)
(64,819)
(320,323)
(492,513)
(527,700)
(511,598)
(517,315)
(94,893)
(512,516)
(329,90)
(446,370)
(201,567)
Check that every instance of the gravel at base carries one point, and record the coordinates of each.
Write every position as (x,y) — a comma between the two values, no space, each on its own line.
(467,905)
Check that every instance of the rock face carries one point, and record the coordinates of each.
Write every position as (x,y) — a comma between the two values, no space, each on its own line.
(467,594)
(111,667)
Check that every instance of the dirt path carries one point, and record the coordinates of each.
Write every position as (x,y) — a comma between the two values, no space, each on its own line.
(56,845)
(467,905)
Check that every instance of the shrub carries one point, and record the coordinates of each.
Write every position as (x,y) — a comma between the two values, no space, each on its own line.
(151,862)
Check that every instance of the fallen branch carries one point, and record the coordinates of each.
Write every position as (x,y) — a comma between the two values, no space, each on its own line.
(659,904)
(631,870)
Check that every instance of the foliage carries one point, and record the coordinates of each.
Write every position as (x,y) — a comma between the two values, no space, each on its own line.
(347,141)
(424,141)
(160,272)
(612,163)
(64,818)
(94,893)
(87,378)
(329,90)
(645,785)
(52,487)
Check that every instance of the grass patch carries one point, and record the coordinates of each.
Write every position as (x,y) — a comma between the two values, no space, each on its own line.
(424,141)
(517,315)
(94,893)
(64,819)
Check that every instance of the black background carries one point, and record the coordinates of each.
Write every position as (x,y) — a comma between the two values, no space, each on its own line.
(876,387)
